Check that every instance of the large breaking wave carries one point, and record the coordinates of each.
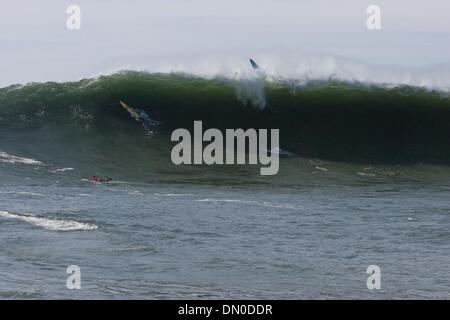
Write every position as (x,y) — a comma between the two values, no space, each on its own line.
(82,124)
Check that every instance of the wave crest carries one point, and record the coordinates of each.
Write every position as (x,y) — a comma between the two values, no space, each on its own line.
(50,224)
(8,158)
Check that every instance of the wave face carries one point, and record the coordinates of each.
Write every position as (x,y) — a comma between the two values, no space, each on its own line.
(83,123)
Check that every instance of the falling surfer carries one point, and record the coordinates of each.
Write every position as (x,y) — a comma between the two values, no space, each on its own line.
(141,116)
(262,75)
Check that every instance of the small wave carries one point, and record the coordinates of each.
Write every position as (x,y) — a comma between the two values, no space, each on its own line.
(62,170)
(8,158)
(85,195)
(26,193)
(50,224)
(365,174)
(172,194)
(23,193)
(255,203)
(136,248)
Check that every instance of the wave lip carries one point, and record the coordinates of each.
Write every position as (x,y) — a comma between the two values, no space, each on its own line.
(50,224)
(8,158)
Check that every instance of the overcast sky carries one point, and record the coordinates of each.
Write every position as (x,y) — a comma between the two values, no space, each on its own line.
(36,45)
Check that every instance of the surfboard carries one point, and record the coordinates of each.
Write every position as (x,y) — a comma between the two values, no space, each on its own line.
(130,110)
(136,116)
(254,65)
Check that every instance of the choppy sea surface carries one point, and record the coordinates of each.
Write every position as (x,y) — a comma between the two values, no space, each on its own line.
(165,241)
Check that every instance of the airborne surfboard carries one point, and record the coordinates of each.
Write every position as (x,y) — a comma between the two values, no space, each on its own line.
(254,65)
(258,70)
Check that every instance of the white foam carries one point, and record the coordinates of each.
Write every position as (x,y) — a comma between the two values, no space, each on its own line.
(50,224)
(364,174)
(299,68)
(62,170)
(8,158)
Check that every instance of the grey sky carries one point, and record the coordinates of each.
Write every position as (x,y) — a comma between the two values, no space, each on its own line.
(35,44)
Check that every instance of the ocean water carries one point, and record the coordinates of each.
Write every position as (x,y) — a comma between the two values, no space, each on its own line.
(167,241)
(367,183)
